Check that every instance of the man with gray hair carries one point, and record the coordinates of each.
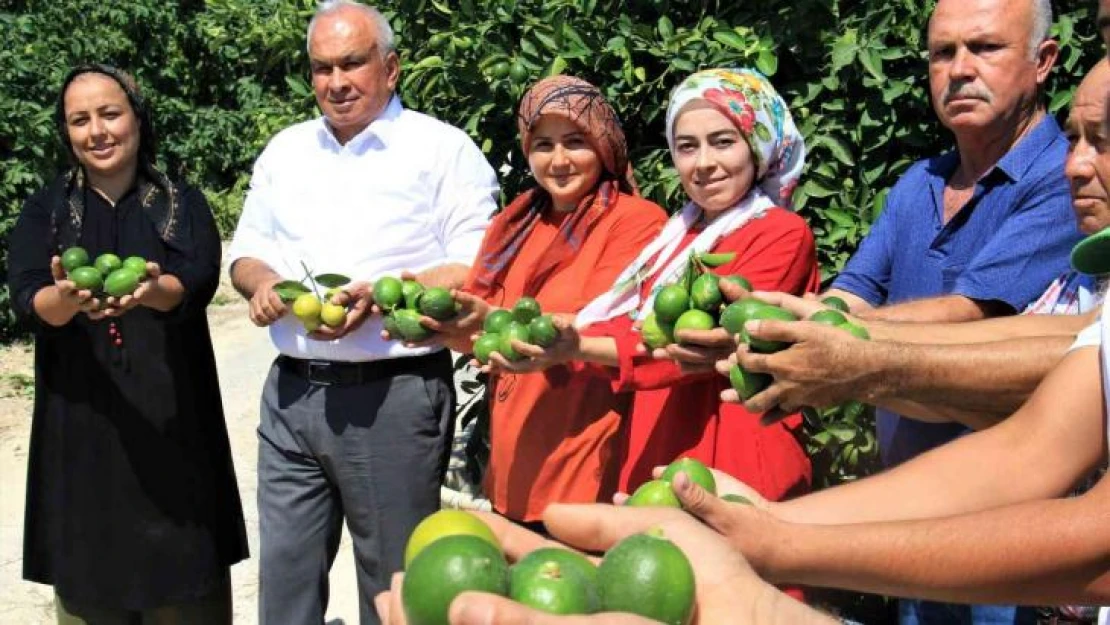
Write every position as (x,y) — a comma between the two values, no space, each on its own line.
(352,427)
(977,232)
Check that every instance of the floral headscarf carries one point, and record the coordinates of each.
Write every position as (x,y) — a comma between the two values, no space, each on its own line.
(582,104)
(748,99)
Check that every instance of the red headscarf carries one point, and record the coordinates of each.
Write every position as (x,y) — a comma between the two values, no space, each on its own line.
(582,104)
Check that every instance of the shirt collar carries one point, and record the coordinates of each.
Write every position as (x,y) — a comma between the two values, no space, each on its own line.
(1014,164)
(381,129)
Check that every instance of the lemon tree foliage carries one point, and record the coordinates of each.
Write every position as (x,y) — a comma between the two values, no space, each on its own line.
(224,75)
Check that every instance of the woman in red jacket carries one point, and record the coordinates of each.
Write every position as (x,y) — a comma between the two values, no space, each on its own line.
(739,156)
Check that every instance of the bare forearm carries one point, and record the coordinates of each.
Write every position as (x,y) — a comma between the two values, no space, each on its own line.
(449,276)
(936,309)
(600,350)
(983,379)
(1040,552)
(1062,420)
(933,413)
(855,303)
(982,331)
(248,274)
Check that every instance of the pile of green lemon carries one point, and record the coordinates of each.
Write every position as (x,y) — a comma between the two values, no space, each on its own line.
(452,551)
(105,275)
(404,301)
(524,322)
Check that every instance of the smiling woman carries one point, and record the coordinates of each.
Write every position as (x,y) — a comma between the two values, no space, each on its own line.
(127,435)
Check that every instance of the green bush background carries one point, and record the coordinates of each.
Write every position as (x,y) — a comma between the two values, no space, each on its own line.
(224,75)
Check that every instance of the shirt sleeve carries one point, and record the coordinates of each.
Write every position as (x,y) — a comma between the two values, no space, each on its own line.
(254,234)
(867,274)
(1030,249)
(198,269)
(465,201)
(1091,336)
(29,260)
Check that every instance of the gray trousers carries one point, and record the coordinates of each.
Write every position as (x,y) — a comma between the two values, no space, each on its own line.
(373,453)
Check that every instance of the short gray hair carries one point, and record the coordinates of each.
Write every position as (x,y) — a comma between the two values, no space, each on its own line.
(1042,24)
(385,32)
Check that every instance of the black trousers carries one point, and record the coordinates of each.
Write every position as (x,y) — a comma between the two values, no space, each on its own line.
(373,453)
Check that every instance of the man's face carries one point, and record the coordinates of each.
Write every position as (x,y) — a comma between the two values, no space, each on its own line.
(981,73)
(1088,164)
(352,81)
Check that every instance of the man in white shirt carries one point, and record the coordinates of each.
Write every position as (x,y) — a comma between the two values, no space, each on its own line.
(353,426)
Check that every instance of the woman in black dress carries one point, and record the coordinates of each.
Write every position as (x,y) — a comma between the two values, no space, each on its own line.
(133,514)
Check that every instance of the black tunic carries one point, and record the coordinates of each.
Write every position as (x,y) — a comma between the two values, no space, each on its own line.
(131,494)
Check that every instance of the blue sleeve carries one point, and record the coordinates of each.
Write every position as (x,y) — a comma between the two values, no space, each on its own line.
(867,274)
(1030,249)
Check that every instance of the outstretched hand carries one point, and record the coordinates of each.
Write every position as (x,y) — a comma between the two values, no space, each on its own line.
(81,300)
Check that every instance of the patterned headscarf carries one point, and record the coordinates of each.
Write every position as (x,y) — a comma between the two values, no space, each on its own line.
(749,100)
(582,104)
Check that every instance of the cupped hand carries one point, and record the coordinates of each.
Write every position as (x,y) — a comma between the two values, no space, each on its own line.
(80,299)
(117,306)
(535,358)
(698,351)
(266,306)
(356,297)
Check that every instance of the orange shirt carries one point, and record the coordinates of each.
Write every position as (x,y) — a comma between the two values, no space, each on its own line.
(551,433)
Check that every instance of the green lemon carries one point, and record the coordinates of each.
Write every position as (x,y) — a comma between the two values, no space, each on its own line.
(87,278)
(705,294)
(747,384)
(736,314)
(497,321)
(389,324)
(500,69)
(73,258)
(764,346)
(829,317)
(546,585)
(738,280)
(655,334)
(515,331)
(542,331)
(447,568)
(412,291)
(121,282)
(833,301)
(570,561)
(525,310)
(333,315)
(649,576)
(443,523)
(307,307)
(107,263)
(698,472)
(670,302)
(695,319)
(408,324)
(518,73)
(437,303)
(857,331)
(654,493)
(137,264)
(486,345)
(388,293)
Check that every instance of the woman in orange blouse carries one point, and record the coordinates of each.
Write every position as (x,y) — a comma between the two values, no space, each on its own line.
(563,243)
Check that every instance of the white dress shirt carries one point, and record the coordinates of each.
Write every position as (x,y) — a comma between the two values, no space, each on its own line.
(407,193)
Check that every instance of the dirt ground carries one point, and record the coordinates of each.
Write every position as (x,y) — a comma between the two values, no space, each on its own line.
(243,355)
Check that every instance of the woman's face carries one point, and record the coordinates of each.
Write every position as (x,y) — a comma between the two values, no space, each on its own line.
(712,158)
(103,129)
(563,161)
